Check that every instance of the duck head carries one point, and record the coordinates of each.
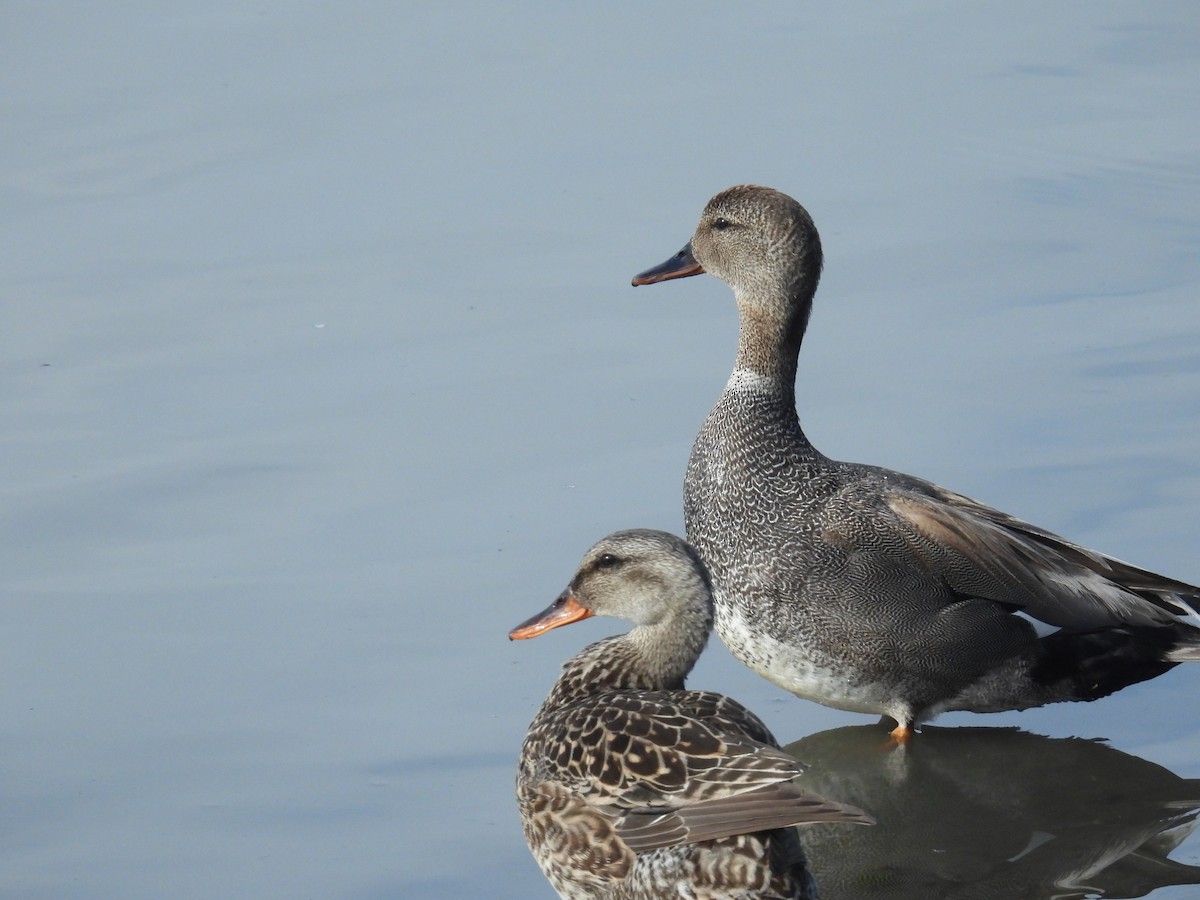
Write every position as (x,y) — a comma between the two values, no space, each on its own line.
(761,243)
(649,578)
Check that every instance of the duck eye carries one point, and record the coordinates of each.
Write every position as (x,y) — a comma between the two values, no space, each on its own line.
(722,223)
(607,561)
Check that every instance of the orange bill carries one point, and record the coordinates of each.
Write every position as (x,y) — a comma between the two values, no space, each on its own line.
(681,265)
(563,611)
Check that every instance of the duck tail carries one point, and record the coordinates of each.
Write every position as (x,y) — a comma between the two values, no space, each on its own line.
(1188,648)
(1095,664)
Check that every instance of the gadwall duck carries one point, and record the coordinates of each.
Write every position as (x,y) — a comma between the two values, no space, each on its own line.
(630,786)
(870,590)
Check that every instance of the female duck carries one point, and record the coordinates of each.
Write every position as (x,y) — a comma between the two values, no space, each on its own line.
(630,786)
(870,590)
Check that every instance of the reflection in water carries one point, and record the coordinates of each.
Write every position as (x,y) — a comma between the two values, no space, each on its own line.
(995,813)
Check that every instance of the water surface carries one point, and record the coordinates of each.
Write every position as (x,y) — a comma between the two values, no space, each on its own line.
(321,370)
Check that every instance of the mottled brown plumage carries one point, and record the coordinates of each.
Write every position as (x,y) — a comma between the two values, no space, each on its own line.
(630,786)
(868,589)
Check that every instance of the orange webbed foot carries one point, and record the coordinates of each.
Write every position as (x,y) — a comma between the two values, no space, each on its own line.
(901,734)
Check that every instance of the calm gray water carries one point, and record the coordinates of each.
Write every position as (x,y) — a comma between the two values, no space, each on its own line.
(321,368)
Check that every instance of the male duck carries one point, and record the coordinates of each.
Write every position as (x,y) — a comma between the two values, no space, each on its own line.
(630,786)
(870,590)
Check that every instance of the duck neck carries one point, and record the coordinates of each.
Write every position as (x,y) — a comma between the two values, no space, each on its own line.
(649,658)
(769,343)
(667,650)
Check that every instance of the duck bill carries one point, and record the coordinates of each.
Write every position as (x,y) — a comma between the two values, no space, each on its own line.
(681,265)
(563,611)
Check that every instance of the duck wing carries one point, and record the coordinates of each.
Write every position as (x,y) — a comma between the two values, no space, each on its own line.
(778,805)
(674,767)
(981,552)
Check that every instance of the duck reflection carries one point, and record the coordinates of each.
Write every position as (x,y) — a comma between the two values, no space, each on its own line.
(995,813)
